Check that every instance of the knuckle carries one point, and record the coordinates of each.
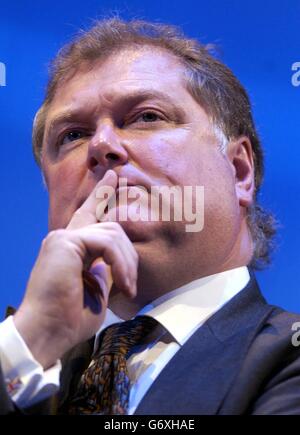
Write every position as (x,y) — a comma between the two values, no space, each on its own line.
(116,227)
(54,236)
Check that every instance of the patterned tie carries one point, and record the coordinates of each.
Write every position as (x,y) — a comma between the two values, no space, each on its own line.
(104,386)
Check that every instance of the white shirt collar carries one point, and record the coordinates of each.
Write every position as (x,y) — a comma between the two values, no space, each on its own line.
(185,309)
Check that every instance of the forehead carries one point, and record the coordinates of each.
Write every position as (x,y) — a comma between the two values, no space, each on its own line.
(144,69)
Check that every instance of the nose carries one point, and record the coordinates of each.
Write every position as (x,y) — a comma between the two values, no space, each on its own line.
(106,149)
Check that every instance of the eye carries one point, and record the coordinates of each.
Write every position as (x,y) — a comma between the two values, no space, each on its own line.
(72,136)
(148,117)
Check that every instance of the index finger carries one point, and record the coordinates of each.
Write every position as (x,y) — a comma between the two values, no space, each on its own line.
(86,214)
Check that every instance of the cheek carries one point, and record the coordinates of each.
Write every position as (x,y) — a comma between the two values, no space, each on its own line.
(205,166)
(221,207)
(64,180)
(179,159)
(165,155)
(219,186)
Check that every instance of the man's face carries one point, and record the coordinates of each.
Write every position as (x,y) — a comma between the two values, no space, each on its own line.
(132,113)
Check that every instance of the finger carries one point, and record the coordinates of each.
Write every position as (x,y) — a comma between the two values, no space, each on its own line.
(126,247)
(93,285)
(98,242)
(95,291)
(87,213)
(129,252)
(102,273)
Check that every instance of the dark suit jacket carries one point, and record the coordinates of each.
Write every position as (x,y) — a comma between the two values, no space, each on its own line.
(241,361)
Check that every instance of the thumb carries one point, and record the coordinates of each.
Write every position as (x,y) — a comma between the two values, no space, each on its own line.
(102,273)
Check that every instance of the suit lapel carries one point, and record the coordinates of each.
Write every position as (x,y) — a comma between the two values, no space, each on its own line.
(198,377)
(200,374)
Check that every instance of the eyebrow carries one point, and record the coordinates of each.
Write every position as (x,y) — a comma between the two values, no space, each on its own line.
(129,100)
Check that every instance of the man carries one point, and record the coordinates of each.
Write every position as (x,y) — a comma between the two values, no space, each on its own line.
(140,102)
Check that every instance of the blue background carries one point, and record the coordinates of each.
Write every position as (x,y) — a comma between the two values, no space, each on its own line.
(259,40)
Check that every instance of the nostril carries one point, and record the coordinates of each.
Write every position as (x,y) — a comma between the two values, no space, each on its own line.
(112,156)
(107,160)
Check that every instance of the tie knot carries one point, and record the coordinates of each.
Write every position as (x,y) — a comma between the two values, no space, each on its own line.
(119,338)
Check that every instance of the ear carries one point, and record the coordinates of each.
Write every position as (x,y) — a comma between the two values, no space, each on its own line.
(240,155)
